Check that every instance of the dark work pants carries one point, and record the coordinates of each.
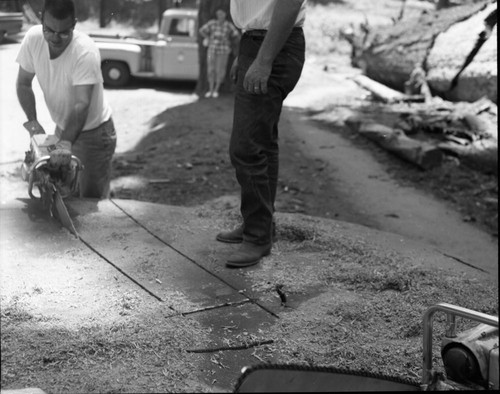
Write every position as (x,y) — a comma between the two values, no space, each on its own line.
(95,148)
(254,139)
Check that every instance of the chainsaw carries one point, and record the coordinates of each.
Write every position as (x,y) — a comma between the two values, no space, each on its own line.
(470,360)
(50,184)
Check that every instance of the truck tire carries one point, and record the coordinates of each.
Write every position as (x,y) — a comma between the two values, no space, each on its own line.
(115,73)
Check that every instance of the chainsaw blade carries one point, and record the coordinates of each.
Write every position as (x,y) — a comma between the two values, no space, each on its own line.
(62,213)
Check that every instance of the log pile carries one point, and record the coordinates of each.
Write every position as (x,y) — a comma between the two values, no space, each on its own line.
(425,132)
(433,80)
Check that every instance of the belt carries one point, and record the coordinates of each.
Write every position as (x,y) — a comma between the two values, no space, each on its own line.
(107,123)
(263,32)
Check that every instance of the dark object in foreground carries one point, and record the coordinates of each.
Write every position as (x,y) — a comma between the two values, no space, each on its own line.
(470,359)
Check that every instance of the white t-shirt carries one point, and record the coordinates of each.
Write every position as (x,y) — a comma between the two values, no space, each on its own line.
(79,64)
(256,14)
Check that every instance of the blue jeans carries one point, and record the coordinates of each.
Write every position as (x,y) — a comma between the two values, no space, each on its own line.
(95,149)
(254,139)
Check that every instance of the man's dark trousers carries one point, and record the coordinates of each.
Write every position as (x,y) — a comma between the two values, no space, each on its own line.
(254,139)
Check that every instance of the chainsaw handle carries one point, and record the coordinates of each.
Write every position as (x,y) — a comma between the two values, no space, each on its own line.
(452,311)
(43,161)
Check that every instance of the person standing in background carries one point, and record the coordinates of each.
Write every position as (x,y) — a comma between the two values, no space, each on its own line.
(269,63)
(218,34)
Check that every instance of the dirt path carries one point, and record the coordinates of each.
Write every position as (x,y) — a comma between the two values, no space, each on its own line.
(354,186)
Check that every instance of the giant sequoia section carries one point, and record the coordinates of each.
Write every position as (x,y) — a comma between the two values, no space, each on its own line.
(389,54)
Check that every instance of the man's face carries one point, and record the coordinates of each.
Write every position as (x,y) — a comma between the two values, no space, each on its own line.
(57,32)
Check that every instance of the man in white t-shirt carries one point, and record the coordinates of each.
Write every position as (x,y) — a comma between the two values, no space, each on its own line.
(269,63)
(67,65)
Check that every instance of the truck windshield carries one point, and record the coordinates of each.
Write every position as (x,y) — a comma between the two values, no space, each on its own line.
(184,27)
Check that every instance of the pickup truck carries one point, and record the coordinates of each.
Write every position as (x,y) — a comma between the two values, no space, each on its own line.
(10,23)
(173,55)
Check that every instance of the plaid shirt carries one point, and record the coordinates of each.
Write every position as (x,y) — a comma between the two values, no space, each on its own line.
(219,36)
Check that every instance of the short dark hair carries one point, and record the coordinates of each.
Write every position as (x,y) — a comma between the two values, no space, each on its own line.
(59,9)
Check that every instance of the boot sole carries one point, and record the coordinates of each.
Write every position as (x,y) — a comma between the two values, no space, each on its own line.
(229,240)
(232,264)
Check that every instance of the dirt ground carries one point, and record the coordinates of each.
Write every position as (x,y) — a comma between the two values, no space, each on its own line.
(185,161)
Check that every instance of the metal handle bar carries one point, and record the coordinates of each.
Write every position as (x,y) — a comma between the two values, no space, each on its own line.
(44,160)
(451,311)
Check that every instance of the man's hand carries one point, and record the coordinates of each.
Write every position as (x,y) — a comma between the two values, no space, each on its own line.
(34,127)
(233,73)
(61,156)
(256,78)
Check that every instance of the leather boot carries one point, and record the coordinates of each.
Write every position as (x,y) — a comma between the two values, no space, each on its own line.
(236,236)
(248,254)
(232,237)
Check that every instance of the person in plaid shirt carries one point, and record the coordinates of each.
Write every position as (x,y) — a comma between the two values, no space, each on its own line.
(219,33)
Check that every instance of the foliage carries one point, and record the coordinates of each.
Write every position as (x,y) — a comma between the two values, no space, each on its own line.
(10,6)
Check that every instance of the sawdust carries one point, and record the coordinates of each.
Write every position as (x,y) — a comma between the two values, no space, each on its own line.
(360,308)
(142,354)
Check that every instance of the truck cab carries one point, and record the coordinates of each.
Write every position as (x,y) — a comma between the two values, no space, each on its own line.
(173,55)
(10,23)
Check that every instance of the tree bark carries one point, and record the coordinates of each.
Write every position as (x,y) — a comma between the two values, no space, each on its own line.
(102,14)
(423,154)
(206,11)
(378,90)
(389,54)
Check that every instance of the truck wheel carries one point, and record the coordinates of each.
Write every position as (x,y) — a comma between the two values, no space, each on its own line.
(115,73)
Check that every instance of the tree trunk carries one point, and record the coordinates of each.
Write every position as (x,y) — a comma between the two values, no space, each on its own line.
(423,154)
(206,11)
(102,14)
(389,54)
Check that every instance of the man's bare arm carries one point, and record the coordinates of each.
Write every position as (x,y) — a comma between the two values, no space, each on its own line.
(79,115)
(282,22)
(25,94)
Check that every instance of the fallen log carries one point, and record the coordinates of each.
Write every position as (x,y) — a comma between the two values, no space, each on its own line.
(391,54)
(414,132)
(462,64)
(480,155)
(379,90)
(423,154)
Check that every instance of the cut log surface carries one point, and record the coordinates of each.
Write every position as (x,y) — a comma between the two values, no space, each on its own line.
(393,52)
(480,78)
(449,53)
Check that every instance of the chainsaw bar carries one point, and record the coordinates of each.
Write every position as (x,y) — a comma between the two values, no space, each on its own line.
(269,378)
(62,213)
